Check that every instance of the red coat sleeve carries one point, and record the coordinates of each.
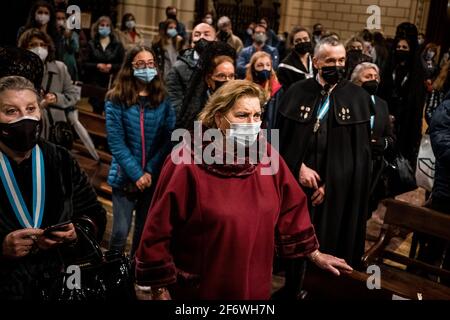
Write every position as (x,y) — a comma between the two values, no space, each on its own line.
(174,200)
(295,235)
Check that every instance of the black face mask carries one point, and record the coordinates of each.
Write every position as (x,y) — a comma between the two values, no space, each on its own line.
(303,47)
(401,56)
(317,33)
(370,86)
(22,135)
(217,85)
(200,45)
(261,76)
(223,36)
(172,16)
(333,74)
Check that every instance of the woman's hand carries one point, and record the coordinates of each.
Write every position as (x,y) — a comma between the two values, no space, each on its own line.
(50,98)
(57,238)
(19,243)
(144,182)
(330,263)
(161,294)
(309,178)
(146,293)
(318,196)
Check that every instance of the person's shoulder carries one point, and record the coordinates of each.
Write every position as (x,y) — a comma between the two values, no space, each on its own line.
(345,87)
(60,66)
(186,57)
(287,60)
(381,102)
(55,152)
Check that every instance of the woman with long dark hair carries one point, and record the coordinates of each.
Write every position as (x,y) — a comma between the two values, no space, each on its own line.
(43,17)
(139,123)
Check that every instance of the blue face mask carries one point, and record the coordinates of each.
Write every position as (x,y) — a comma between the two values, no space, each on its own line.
(146,75)
(261,76)
(104,31)
(172,33)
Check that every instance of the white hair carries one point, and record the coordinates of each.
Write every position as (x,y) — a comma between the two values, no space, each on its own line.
(223,21)
(330,41)
(360,68)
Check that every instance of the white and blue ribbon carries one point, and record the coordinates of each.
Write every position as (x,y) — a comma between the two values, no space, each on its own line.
(15,196)
(324,109)
(372,117)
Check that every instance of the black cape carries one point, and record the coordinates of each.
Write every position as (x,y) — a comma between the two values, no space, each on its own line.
(340,221)
(69,196)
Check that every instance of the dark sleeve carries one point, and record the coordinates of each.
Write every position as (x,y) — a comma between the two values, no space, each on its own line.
(241,63)
(86,208)
(388,131)
(283,75)
(295,235)
(174,200)
(175,88)
(118,59)
(440,132)
(91,61)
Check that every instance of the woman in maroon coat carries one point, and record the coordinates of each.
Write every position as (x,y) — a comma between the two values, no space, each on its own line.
(212,228)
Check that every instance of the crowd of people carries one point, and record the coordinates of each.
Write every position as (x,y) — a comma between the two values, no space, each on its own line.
(212,230)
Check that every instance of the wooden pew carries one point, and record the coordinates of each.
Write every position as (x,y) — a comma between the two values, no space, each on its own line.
(322,285)
(96,126)
(97,173)
(400,214)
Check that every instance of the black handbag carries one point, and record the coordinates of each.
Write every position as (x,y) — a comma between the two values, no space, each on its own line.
(103,276)
(398,176)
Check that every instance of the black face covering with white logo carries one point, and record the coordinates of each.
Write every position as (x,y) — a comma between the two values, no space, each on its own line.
(21,135)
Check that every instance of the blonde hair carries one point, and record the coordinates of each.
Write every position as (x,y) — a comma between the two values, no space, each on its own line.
(249,75)
(94,28)
(225,98)
(438,84)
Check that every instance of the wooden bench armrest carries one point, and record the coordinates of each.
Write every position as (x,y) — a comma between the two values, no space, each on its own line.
(377,248)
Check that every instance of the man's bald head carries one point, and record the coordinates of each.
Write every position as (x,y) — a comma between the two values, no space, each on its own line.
(205,31)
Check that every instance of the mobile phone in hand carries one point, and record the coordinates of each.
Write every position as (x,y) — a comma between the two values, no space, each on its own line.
(63,226)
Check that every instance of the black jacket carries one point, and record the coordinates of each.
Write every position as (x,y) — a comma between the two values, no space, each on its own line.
(113,54)
(291,70)
(440,141)
(179,78)
(69,196)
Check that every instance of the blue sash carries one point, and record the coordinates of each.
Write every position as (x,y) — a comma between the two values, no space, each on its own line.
(15,196)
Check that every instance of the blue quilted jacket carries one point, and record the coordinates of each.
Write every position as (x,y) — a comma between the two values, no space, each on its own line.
(139,140)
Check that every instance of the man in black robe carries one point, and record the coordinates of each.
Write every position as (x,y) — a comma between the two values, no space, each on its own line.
(330,153)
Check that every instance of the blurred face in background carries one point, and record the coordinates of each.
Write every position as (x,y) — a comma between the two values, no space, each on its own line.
(223,73)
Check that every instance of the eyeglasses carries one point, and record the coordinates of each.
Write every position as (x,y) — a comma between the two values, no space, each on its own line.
(141,64)
(224,77)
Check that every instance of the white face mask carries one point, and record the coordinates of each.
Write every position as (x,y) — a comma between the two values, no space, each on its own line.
(209,21)
(245,134)
(41,52)
(42,18)
(61,23)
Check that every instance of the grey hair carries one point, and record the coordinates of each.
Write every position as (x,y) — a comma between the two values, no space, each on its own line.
(330,41)
(17,83)
(223,21)
(360,68)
